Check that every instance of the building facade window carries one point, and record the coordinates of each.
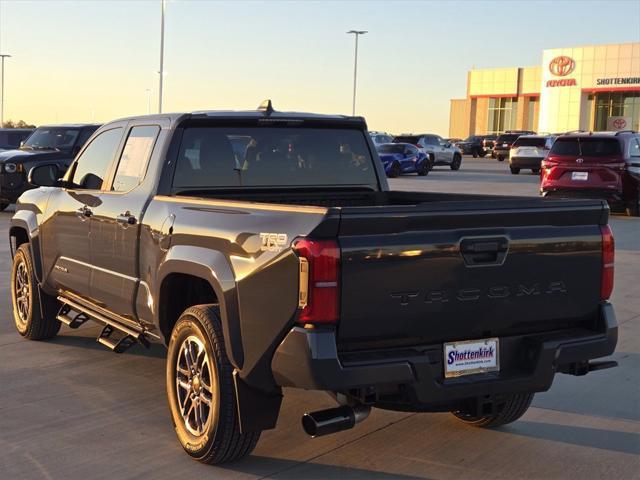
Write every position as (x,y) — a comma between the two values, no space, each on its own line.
(532,117)
(617,104)
(502,115)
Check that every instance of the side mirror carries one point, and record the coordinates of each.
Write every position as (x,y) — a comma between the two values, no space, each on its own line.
(44,175)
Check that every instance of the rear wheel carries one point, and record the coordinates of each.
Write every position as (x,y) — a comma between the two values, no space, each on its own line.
(500,158)
(511,410)
(201,390)
(3,206)
(482,153)
(394,171)
(456,162)
(535,171)
(633,209)
(514,170)
(34,312)
(475,153)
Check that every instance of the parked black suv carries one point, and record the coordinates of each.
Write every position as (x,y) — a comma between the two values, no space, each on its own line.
(55,144)
(472,145)
(503,143)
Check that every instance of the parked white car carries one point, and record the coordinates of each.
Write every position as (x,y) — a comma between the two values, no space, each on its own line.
(528,151)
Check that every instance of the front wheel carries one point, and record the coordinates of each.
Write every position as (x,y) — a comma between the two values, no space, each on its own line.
(424,168)
(456,162)
(3,206)
(514,170)
(500,158)
(34,312)
(511,410)
(394,171)
(475,153)
(201,392)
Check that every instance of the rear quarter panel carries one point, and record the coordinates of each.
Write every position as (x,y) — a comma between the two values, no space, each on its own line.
(246,248)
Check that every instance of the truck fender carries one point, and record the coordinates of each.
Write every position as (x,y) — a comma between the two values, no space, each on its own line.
(27,221)
(213,267)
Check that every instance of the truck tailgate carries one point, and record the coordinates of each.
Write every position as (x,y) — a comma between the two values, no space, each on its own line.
(468,269)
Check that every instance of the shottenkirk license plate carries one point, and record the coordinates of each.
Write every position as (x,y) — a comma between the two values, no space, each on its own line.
(580,176)
(471,356)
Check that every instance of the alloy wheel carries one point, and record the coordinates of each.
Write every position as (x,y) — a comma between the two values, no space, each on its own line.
(195,385)
(22,292)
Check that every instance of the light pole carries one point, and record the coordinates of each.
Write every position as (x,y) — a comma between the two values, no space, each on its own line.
(161,72)
(356,33)
(2,56)
(148,90)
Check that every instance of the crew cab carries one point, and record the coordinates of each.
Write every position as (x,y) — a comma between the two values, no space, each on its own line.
(54,144)
(293,264)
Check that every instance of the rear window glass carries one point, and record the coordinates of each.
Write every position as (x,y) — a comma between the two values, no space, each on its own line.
(587,147)
(413,139)
(530,142)
(253,156)
(391,148)
(507,138)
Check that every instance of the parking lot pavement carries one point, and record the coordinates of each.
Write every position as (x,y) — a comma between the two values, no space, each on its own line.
(71,409)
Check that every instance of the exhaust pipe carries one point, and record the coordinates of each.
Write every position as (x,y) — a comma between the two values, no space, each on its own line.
(332,420)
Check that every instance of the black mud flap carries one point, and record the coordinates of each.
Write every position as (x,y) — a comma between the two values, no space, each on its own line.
(257,409)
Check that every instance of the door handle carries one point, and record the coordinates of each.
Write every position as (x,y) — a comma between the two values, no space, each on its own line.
(84,211)
(126,219)
(484,251)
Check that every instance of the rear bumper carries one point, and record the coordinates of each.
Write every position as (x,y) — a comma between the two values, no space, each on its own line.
(413,377)
(525,162)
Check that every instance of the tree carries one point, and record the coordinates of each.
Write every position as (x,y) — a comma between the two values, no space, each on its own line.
(18,124)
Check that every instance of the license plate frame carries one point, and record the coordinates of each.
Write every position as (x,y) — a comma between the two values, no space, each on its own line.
(579,176)
(471,366)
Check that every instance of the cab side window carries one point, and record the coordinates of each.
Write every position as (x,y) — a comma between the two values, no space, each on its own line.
(134,158)
(634,148)
(92,165)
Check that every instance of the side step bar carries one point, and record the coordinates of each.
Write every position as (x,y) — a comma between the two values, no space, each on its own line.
(114,335)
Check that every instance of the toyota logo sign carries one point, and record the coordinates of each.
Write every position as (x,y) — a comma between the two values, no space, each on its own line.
(619,123)
(562,66)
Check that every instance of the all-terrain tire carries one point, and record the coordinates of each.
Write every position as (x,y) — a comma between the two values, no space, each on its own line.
(220,440)
(515,406)
(34,312)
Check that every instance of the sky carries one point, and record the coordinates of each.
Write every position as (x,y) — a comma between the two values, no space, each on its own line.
(92,60)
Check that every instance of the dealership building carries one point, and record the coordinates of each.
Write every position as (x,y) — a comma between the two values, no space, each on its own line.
(593,88)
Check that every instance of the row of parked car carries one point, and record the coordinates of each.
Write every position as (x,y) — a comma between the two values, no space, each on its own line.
(573,164)
(415,153)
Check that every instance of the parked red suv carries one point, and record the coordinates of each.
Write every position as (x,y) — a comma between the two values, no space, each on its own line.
(595,165)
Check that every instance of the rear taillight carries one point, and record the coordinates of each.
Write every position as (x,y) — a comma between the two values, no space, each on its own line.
(608,253)
(318,299)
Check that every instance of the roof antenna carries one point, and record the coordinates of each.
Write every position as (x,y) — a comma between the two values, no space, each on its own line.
(266,107)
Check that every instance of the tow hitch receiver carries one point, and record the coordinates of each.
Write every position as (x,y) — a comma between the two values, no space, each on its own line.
(582,368)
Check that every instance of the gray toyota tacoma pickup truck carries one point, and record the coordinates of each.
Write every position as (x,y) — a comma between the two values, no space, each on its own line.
(266,250)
